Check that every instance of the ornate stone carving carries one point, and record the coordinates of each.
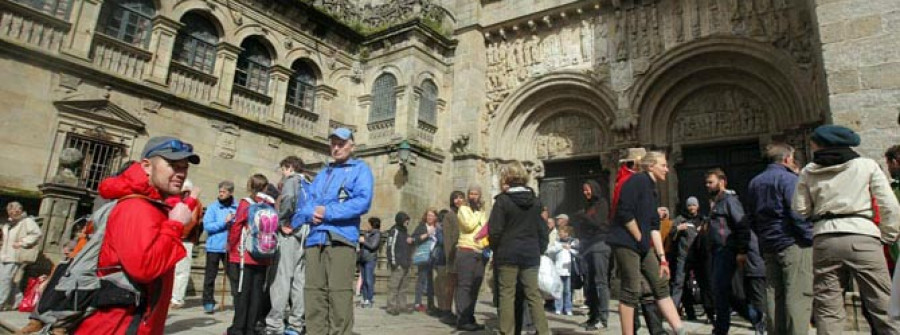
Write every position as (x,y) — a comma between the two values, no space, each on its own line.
(695,19)
(226,141)
(378,17)
(460,144)
(678,20)
(567,135)
(716,113)
(69,159)
(621,51)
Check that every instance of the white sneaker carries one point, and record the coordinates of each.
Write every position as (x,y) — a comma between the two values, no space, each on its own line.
(558,312)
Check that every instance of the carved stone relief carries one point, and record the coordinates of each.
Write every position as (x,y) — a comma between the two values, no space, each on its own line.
(567,135)
(720,112)
(226,141)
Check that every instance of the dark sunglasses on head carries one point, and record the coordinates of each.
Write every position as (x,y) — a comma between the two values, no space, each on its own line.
(175,145)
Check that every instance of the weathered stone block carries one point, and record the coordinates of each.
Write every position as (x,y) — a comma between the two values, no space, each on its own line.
(840,56)
(843,81)
(863,27)
(832,32)
(878,50)
(839,11)
(884,76)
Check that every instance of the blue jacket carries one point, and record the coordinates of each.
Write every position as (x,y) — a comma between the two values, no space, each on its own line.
(346,192)
(770,216)
(215,226)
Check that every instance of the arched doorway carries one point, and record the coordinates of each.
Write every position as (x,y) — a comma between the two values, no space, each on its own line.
(558,125)
(716,103)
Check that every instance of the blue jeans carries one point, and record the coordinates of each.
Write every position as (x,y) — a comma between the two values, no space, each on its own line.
(565,304)
(723,268)
(425,285)
(367,271)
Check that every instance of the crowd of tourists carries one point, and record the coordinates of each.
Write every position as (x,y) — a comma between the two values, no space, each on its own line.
(782,255)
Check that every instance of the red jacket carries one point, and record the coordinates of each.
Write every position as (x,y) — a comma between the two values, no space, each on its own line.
(234,236)
(146,244)
(621,177)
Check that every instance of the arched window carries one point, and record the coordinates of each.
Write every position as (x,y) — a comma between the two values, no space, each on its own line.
(195,45)
(128,20)
(384,98)
(302,87)
(428,103)
(57,8)
(253,66)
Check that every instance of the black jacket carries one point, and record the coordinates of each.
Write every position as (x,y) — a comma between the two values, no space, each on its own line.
(638,201)
(369,248)
(727,228)
(517,233)
(592,224)
(398,252)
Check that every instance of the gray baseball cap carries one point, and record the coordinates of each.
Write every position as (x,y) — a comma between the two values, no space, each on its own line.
(170,148)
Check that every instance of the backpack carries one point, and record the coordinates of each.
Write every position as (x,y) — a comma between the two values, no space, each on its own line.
(259,237)
(75,291)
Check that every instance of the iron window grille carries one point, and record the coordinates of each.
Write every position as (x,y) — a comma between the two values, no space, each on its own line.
(302,88)
(195,45)
(129,21)
(101,159)
(384,98)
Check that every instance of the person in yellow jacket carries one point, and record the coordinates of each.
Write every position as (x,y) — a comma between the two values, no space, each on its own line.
(469,259)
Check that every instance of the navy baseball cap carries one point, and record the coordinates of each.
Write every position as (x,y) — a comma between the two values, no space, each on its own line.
(170,148)
(342,133)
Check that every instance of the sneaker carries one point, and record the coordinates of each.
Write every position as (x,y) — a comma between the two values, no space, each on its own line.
(420,308)
(209,308)
(558,312)
(291,331)
(472,327)
(569,313)
(176,305)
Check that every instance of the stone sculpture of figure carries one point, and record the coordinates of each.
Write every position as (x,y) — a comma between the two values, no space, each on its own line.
(621,52)
(644,19)
(587,41)
(602,48)
(713,9)
(69,159)
(695,24)
(658,46)
(631,17)
(678,20)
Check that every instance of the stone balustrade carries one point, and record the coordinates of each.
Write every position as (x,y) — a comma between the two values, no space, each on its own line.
(300,120)
(191,83)
(251,104)
(425,133)
(28,26)
(381,131)
(120,58)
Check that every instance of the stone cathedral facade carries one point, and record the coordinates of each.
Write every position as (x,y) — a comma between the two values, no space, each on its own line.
(563,85)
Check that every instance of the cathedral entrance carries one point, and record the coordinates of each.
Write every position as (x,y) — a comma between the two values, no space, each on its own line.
(740,161)
(560,189)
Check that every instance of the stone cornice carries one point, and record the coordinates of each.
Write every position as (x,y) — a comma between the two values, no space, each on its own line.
(364,150)
(79,67)
(538,21)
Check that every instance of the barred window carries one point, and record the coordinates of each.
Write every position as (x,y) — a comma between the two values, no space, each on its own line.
(128,21)
(101,159)
(428,103)
(302,87)
(384,98)
(253,66)
(57,8)
(195,45)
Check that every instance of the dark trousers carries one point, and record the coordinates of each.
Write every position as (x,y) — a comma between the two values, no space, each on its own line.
(425,285)
(470,267)
(681,275)
(367,271)
(249,301)
(652,317)
(396,300)
(723,268)
(212,271)
(596,285)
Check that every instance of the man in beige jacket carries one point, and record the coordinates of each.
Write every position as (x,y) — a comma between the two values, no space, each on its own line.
(836,192)
(20,236)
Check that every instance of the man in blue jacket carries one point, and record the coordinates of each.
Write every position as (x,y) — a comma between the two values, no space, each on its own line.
(214,222)
(786,239)
(339,195)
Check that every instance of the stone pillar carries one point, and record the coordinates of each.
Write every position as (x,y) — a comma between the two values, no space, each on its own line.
(401,117)
(323,107)
(84,17)
(226,64)
(162,44)
(59,205)
(278,81)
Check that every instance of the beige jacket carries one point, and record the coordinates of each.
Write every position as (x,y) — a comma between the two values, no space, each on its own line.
(470,223)
(25,231)
(848,188)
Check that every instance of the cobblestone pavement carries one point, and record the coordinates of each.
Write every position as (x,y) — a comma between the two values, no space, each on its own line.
(192,320)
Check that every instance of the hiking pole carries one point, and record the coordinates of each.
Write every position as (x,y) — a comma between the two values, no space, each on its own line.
(224,278)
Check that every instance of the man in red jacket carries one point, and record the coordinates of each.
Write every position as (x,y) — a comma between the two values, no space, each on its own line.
(143,235)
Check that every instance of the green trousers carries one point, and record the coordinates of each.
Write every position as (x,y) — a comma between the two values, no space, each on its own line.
(328,294)
(509,276)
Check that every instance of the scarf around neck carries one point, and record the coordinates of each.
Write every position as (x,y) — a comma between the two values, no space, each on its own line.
(834,156)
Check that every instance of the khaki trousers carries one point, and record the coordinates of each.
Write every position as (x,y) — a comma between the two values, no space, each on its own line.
(789,280)
(328,294)
(838,257)
(509,276)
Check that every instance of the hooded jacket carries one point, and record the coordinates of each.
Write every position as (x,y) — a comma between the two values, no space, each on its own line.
(294,193)
(345,190)
(398,252)
(847,189)
(592,223)
(23,230)
(517,233)
(141,240)
(638,201)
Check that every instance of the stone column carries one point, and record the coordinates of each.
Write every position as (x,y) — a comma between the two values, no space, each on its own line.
(84,17)
(162,44)
(59,205)
(226,64)
(278,81)
(324,96)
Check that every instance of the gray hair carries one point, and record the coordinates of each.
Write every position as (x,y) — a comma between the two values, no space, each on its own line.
(227,185)
(777,152)
(14,205)
(651,158)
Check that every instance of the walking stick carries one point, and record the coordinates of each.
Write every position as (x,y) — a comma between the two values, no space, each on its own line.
(224,278)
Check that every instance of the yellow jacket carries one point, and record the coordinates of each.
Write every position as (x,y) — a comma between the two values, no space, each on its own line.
(470,223)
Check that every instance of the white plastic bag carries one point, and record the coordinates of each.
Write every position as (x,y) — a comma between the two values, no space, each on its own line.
(894,303)
(548,280)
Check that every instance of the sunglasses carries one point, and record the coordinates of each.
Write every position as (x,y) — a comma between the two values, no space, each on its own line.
(174,145)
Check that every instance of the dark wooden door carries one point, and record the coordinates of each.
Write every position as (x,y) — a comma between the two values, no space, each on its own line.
(741,162)
(560,189)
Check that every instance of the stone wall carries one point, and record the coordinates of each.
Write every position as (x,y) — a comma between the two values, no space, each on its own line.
(861,51)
